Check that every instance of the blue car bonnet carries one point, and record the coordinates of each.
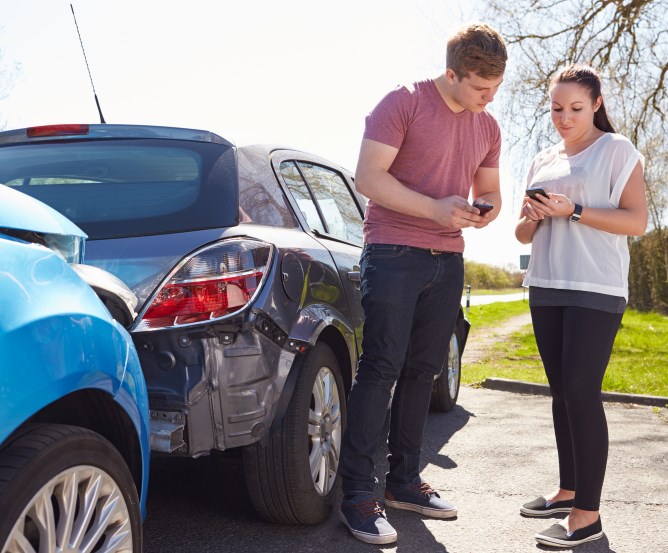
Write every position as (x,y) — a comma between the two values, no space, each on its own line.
(18,211)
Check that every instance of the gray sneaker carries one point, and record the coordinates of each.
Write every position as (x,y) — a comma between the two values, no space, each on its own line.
(366,520)
(420,498)
(541,507)
(557,536)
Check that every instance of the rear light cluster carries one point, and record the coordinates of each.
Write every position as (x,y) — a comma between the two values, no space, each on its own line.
(212,283)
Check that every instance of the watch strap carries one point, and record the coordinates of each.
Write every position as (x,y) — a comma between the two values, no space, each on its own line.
(577,213)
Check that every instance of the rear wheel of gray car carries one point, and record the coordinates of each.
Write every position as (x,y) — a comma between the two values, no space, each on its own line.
(446,386)
(64,488)
(291,480)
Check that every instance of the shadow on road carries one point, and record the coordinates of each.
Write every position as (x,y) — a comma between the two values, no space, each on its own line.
(201,505)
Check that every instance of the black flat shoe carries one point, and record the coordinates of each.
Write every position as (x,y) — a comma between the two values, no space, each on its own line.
(557,536)
(541,507)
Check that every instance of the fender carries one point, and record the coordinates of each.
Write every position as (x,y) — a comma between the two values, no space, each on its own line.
(308,327)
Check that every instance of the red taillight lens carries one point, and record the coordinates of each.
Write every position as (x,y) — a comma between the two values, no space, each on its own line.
(56,130)
(211,284)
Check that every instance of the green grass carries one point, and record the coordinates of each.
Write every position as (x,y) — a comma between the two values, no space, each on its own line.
(487,316)
(639,362)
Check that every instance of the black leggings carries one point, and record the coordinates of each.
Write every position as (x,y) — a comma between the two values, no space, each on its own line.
(575,344)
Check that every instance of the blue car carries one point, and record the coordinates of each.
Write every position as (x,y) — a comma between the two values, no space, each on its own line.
(74,429)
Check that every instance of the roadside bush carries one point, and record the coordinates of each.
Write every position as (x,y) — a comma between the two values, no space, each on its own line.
(488,277)
(648,274)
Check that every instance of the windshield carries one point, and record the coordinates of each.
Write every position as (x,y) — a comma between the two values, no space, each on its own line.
(117,188)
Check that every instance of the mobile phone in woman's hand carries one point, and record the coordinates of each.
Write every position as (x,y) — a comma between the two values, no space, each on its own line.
(535,191)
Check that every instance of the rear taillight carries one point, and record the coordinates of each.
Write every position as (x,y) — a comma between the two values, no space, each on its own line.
(56,130)
(213,283)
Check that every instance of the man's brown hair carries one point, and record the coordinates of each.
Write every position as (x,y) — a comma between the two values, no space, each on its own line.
(479,49)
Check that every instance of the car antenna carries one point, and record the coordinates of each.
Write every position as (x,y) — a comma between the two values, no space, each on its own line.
(97,102)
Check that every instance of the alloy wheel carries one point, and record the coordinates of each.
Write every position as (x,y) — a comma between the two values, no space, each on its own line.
(454,366)
(79,509)
(324,430)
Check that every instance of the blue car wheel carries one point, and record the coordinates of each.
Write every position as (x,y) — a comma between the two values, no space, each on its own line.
(65,488)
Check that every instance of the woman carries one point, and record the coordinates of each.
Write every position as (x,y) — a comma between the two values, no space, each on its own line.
(578,286)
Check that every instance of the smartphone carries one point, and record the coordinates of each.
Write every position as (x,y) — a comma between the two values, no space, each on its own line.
(483,208)
(535,191)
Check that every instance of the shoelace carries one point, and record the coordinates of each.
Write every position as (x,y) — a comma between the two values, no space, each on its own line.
(424,488)
(368,508)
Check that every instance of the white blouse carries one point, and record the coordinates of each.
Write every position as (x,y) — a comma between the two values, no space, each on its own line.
(572,256)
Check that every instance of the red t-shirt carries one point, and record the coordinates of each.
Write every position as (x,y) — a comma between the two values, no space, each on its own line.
(439,152)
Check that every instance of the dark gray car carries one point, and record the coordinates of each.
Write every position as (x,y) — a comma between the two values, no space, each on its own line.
(245,265)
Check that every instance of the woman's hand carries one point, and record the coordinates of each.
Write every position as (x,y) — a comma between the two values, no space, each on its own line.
(528,212)
(557,205)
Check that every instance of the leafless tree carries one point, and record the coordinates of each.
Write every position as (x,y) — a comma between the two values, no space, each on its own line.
(627,41)
(8,76)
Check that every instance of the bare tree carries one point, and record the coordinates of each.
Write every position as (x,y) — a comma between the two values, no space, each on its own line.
(8,76)
(627,41)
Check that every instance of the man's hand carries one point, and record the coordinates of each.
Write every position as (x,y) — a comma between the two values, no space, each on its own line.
(455,212)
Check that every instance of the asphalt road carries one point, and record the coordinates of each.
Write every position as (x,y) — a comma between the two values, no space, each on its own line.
(494,298)
(494,451)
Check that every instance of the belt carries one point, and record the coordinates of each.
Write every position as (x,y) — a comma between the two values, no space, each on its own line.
(432,251)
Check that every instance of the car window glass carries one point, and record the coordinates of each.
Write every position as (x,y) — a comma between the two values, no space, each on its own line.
(302,195)
(336,202)
(261,200)
(113,188)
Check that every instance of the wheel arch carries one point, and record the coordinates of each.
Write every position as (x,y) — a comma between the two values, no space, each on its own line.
(97,411)
(321,323)
(337,343)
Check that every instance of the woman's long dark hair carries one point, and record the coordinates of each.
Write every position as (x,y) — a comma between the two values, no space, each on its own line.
(588,78)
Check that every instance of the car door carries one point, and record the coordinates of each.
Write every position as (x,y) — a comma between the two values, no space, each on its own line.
(330,211)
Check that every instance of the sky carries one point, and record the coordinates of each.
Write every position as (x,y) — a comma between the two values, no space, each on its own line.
(299,73)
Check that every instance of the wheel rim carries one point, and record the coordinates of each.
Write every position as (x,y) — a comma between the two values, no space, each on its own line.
(454,366)
(324,429)
(80,509)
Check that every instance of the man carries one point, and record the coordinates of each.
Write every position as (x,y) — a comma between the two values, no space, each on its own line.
(425,148)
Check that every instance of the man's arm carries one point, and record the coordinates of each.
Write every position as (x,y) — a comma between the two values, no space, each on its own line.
(373,180)
(487,187)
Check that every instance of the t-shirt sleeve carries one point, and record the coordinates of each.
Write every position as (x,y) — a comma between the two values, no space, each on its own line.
(389,120)
(492,158)
(624,158)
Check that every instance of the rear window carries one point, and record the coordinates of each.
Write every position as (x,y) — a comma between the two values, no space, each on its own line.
(113,188)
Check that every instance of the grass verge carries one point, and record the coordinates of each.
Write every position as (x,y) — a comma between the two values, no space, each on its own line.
(638,363)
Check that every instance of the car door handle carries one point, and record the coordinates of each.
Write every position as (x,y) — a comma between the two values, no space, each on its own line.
(354,276)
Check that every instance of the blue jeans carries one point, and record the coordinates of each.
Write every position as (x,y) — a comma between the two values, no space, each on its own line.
(411,299)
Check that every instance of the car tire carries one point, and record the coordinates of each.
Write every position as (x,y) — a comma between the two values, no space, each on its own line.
(292,479)
(66,488)
(446,386)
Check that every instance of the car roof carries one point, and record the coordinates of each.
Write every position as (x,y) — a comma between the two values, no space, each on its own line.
(269,150)
(109,130)
(101,131)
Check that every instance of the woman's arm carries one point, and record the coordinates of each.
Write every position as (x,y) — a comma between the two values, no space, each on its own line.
(629,219)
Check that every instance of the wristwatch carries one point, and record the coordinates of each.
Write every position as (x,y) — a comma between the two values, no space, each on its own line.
(577,213)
